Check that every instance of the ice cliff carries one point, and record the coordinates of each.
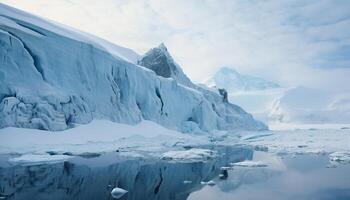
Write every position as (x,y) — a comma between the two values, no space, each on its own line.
(52,77)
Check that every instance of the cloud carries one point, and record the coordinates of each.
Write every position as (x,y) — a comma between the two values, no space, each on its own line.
(292,42)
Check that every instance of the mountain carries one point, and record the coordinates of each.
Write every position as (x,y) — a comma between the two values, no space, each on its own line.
(53,77)
(312,106)
(233,81)
(160,61)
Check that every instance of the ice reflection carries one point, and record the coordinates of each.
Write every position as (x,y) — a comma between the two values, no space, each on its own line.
(94,178)
(305,177)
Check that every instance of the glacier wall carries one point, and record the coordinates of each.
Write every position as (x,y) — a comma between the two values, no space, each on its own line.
(52,77)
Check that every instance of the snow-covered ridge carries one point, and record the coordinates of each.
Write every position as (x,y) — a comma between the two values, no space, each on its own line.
(52,77)
(21,20)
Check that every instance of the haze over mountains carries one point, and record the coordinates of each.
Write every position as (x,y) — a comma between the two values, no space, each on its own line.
(272,103)
(233,81)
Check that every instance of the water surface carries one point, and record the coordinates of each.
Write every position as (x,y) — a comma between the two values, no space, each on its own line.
(301,177)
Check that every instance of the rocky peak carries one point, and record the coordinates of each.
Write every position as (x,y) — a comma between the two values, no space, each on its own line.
(160,61)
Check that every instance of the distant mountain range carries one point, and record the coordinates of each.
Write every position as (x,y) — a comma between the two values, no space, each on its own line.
(233,81)
(271,103)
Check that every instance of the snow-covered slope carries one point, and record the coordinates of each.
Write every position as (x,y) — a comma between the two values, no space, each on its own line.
(52,77)
(233,81)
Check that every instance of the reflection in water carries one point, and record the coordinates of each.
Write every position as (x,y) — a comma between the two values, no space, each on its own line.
(94,178)
(305,178)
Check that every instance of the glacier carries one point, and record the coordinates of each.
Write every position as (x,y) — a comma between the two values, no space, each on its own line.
(53,77)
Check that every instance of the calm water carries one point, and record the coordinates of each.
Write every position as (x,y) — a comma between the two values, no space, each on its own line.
(303,177)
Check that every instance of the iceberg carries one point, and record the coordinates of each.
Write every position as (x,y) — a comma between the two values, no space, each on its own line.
(54,77)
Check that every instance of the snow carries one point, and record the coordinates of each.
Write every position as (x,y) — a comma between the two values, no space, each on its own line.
(96,137)
(191,154)
(315,141)
(249,163)
(35,159)
(71,78)
(88,96)
(23,18)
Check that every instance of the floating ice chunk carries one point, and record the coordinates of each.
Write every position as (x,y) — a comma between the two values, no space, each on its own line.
(249,163)
(210,183)
(191,154)
(118,192)
(225,168)
(340,157)
(187,182)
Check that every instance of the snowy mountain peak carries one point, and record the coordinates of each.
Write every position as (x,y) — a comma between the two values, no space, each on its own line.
(160,61)
(233,81)
(225,70)
(163,47)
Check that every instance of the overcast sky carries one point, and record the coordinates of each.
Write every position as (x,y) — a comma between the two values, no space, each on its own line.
(293,42)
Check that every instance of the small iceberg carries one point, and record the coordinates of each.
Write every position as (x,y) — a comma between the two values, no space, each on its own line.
(210,183)
(118,192)
(225,168)
(187,182)
(340,157)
